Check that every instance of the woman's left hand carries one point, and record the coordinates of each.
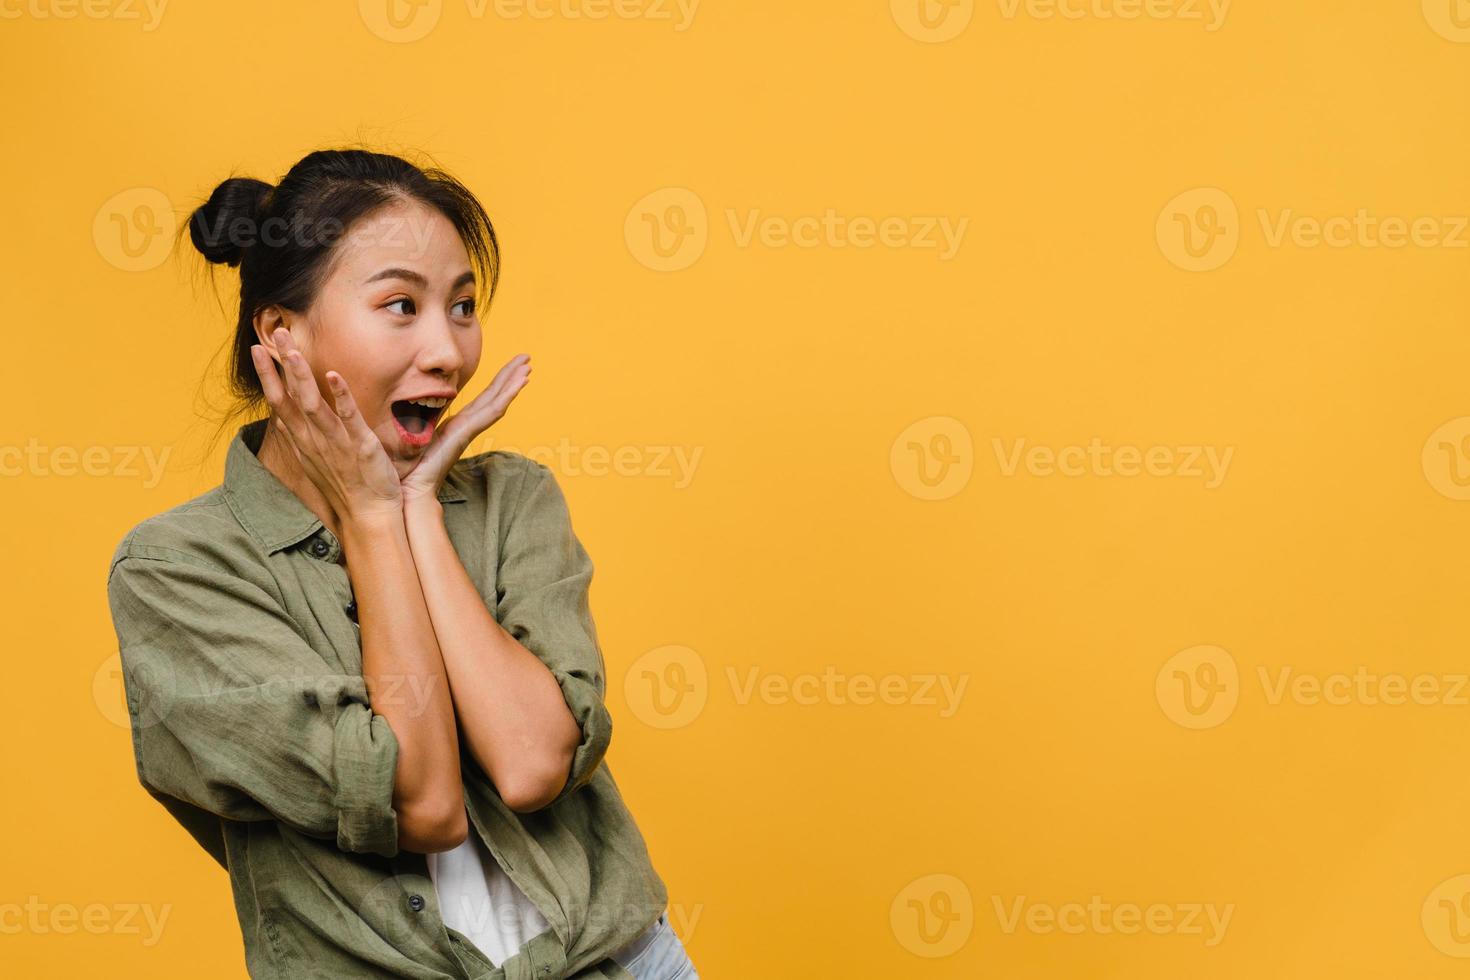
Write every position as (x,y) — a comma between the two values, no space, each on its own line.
(456,434)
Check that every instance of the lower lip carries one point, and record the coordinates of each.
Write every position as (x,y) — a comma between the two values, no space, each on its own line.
(413,441)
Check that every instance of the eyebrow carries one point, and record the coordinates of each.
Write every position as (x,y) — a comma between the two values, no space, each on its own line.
(465,278)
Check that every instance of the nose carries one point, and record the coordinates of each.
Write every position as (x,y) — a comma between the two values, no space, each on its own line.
(438,351)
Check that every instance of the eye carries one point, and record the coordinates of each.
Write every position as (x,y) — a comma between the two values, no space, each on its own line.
(470,304)
(404,299)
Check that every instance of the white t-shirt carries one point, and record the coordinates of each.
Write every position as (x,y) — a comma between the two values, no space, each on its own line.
(477,898)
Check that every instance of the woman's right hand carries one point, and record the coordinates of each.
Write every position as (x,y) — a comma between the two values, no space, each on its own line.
(337,450)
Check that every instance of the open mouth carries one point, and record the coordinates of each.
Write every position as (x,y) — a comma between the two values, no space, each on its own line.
(417,418)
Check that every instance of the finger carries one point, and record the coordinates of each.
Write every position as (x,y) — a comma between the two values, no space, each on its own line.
(488,407)
(290,421)
(319,424)
(508,378)
(274,388)
(299,380)
(520,364)
(346,408)
(505,386)
(265,370)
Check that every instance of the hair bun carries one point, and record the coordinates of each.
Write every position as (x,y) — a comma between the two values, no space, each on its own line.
(212,227)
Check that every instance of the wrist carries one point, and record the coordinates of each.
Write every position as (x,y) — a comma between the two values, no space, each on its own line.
(420,506)
(372,523)
(385,511)
(379,516)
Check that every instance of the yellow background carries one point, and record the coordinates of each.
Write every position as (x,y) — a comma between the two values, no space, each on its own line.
(837,838)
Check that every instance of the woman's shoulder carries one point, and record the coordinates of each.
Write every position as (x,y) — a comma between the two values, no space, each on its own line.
(505,488)
(196,531)
(496,475)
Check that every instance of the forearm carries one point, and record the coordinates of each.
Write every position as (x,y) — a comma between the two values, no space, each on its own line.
(508,704)
(404,673)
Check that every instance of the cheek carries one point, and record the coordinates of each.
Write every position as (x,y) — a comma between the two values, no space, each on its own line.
(367,394)
(469,350)
(334,334)
(367,380)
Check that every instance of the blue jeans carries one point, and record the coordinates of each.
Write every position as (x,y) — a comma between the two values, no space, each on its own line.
(657,954)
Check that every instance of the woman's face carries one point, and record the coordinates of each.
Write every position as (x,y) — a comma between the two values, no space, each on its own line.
(396,318)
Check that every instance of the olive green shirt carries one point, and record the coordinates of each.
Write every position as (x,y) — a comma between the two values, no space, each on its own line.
(252,725)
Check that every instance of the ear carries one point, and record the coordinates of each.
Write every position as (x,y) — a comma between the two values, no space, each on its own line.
(266,323)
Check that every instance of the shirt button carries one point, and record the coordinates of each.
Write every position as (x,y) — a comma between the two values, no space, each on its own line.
(320,548)
(351,608)
(416,902)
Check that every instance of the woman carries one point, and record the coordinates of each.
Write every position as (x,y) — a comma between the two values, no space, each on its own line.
(362,672)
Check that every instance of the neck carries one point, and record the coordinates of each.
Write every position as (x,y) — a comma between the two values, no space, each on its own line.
(282,462)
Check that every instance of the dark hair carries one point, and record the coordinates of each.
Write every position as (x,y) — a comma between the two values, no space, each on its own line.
(283,239)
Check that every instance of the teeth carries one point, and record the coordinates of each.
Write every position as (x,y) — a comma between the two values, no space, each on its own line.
(429,402)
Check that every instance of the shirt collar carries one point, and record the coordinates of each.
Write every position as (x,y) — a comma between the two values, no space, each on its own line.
(264,505)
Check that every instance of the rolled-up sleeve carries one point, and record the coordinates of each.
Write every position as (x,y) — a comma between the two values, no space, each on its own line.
(542,600)
(233,712)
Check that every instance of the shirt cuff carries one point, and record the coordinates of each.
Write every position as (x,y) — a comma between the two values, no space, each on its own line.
(590,711)
(364,763)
